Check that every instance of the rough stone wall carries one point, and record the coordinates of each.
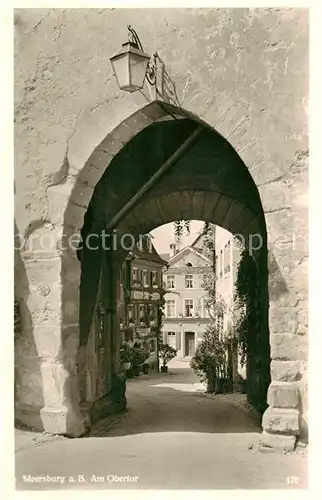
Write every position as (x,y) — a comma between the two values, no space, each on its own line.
(249,64)
(243,71)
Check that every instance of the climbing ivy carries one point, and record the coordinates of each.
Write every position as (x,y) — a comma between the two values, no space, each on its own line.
(246,287)
(250,330)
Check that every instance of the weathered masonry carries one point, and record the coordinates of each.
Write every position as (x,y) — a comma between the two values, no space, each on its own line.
(224,140)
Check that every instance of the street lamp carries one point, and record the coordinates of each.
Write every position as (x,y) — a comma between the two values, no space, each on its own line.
(131,65)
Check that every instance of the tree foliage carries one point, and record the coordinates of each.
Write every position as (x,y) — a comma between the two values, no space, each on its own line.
(166,353)
(210,360)
(180,227)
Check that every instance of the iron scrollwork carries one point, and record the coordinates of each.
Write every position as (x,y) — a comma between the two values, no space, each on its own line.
(151,70)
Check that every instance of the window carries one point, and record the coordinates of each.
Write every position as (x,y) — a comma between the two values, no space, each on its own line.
(227,258)
(134,276)
(172,339)
(149,311)
(217,267)
(170,308)
(149,244)
(170,281)
(188,308)
(154,278)
(130,313)
(189,281)
(137,277)
(145,278)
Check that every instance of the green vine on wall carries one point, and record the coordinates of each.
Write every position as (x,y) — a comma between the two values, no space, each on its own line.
(245,301)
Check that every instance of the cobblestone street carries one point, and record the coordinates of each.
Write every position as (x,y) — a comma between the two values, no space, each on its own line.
(173,436)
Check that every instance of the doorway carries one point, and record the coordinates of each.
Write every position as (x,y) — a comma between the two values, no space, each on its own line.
(190,344)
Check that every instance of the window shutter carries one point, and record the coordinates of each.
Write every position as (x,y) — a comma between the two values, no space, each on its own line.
(178,340)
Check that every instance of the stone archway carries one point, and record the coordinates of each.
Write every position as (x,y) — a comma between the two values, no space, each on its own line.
(69,202)
(164,187)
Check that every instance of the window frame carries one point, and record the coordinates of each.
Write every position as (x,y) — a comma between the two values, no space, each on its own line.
(154,281)
(134,276)
(189,280)
(192,310)
(145,278)
(168,276)
(174,308)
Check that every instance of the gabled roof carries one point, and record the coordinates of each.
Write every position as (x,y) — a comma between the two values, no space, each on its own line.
(143,253)
(149,256)
(185,250)
(196,240)
(202,234)
(165,256)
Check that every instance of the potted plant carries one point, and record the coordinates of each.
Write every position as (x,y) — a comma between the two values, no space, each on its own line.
(166,353)
(145,368)
(125,357)
(139,355)
(210,360)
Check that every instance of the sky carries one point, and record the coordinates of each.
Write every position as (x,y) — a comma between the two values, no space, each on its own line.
(163,236)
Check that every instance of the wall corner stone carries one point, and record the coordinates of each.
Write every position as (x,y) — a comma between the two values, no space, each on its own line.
(283,395)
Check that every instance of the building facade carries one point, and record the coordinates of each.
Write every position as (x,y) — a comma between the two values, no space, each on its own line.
(227,259)
(186,314)
(141,293)
(227,255)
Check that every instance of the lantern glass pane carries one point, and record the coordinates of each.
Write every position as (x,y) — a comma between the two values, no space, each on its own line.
(121,70)
(138,67)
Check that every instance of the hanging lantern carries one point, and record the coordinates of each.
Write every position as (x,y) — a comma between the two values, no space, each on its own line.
(131,64)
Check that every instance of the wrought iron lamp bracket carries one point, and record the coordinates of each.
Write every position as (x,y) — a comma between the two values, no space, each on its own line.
(151,69)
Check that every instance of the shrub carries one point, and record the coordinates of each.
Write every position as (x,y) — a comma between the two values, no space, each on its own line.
(210,359)
(126,353)
(166,353)
(139,355)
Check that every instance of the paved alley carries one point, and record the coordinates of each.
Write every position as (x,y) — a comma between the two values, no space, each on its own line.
(173,436)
